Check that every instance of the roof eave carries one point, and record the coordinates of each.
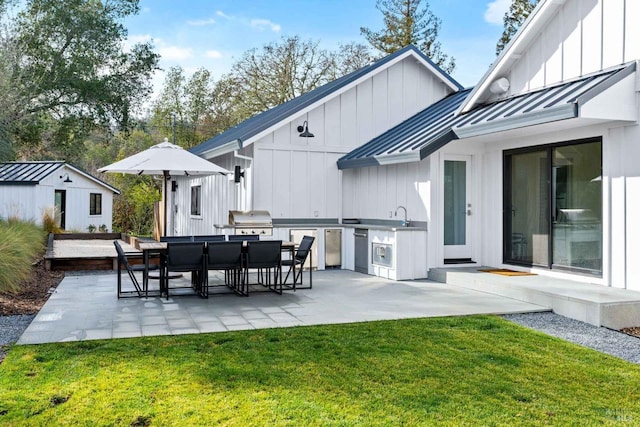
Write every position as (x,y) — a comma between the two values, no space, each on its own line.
(511,53)
(226,148)
(562,112)
(357,163)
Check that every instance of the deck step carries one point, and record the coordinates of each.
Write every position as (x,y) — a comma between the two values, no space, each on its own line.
(591,303)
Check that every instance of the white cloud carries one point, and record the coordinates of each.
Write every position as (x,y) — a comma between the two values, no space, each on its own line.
(175,53)
(496,10)
(201,22)
(257,23)
(261,24)
(214,54)
(135,39)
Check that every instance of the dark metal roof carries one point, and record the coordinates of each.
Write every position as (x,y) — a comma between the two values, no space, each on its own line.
(31,173)
(554,103)
(434,127)
(275,115)
(430,127)
(27,173)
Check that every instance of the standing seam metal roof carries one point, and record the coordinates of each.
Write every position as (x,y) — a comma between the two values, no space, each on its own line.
(27,173)
(437,125)
(32,172)
(273,116)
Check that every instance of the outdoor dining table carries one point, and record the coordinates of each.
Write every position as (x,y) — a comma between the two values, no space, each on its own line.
(158,248)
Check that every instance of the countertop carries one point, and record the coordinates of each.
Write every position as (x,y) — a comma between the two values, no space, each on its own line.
(334,225)
(367,226)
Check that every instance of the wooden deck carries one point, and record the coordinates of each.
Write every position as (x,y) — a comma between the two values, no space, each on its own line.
(86,251)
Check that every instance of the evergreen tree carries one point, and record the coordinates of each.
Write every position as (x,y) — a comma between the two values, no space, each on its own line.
(409,22)
(518,12)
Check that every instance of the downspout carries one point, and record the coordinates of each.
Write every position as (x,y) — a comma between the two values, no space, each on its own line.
(248,182)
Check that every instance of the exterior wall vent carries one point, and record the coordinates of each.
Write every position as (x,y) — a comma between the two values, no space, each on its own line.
(499,86)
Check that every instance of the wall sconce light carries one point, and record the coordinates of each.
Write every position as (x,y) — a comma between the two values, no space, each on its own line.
(304,130)
(67,179)
(237,174)
(174,186)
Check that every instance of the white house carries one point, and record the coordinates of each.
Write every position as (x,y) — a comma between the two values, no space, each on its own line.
(533,169)
(80,200)
(296,178)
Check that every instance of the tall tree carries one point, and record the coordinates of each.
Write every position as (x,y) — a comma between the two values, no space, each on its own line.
(518,12)
(280,71)
(409,22)
(184,105)
(68,71)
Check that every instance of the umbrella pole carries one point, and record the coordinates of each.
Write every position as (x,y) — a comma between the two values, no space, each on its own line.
(164,198)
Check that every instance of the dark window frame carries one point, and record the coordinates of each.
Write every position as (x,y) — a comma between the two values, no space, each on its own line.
(95,203)
(196,202)
(506,195)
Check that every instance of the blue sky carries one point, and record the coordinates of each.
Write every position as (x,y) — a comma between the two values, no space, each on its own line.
(214,33)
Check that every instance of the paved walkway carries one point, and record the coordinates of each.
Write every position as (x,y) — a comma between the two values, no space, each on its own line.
(85,307)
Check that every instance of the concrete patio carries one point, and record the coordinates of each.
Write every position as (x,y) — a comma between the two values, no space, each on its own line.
(85,307)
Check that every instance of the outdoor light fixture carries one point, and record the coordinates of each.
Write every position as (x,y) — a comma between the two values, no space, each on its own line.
(237,174)
(67,179)
(304,130)
(174,186)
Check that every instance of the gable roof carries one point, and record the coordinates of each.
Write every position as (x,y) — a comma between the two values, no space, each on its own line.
(437,125)
(28,173)
(544,10)
(235,137)
(31,173)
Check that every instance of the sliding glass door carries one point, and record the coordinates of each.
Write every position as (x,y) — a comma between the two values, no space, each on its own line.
(553,206)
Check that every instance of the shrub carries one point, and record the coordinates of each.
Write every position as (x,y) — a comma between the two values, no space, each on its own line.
(91,228)
(49,223)
(103,228)
(20,243)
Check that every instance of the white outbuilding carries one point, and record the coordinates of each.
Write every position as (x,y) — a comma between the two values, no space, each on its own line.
(81,201)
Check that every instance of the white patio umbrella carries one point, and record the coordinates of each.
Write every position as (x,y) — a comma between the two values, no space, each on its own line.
(165,159)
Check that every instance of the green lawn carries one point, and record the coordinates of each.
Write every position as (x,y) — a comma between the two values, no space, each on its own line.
(445,371)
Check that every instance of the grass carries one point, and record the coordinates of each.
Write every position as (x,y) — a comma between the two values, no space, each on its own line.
(447,371)
(20,243)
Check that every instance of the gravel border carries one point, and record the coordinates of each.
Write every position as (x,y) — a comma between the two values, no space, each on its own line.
(11,328)
(605,340)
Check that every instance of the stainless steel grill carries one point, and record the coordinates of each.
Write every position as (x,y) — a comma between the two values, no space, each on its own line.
(251,222)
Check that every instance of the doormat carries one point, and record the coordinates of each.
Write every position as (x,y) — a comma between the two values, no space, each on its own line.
(505,272)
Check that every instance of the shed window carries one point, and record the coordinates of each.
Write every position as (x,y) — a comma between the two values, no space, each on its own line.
(196,200)
(95,204)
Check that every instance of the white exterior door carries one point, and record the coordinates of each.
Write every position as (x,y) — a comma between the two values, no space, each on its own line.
(457,207)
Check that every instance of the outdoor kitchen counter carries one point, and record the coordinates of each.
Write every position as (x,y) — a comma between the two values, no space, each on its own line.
(367,226)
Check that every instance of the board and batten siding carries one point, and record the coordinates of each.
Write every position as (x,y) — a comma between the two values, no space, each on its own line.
(376,192)
(296,177)
(18,201)
(583,37)
(30,202)
(78,197)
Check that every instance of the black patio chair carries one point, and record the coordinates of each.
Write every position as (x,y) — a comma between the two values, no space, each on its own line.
(210,238)
(131,270)
(226,256)
(184,257)
(243,237)
(266,255)
(304,249)
(176,239)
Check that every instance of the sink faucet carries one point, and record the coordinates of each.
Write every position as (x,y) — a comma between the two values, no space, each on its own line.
(404,221)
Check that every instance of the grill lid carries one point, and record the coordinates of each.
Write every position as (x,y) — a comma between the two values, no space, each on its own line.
(250,218)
